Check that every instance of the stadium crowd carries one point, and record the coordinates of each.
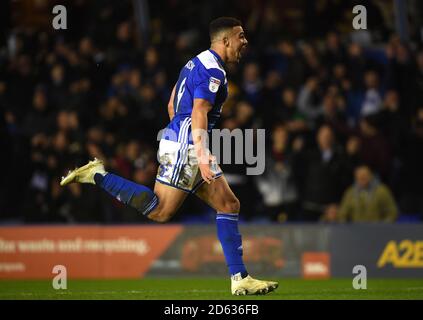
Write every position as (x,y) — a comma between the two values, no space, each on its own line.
(343,112)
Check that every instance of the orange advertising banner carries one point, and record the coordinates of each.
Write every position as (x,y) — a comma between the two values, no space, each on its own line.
(85,251)
(316,265)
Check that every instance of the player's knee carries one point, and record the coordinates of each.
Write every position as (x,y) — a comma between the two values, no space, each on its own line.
(231,206)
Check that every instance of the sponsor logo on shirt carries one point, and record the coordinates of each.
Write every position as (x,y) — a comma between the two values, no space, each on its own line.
(214,84)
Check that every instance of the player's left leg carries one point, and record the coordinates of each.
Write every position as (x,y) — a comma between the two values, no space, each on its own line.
(220,197)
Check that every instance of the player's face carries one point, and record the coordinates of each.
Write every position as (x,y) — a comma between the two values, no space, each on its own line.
(236,43)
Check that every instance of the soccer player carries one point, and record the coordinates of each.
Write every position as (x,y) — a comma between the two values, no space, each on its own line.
(185,162)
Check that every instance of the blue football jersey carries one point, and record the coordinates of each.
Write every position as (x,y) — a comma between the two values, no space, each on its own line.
(202,77)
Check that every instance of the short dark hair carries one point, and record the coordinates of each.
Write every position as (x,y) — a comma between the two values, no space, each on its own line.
(222,23)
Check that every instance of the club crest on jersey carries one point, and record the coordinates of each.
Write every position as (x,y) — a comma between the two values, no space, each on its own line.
(214,84)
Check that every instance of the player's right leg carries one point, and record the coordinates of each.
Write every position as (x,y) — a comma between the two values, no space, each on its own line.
(220,197)
(158,206)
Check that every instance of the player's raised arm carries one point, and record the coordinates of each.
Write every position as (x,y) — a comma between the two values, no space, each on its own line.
(170,109)
(199,133)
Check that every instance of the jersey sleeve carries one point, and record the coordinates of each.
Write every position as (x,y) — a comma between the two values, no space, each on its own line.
(207,83)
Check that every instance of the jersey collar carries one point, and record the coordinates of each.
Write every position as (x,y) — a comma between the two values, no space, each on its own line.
(218,58)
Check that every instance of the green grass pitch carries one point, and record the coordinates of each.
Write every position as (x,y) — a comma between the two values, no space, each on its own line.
(208,289)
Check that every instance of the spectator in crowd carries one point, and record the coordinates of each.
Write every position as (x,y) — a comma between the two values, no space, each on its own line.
(287,63)
(375,150)
(368,200)
(333,114)
(400,67)
(372,97)
(393,122)
(308,94)
(252,84)
(278,185)
(335,52)
(323,174)
(411,177)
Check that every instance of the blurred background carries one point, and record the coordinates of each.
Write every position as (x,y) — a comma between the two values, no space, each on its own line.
(342,108)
